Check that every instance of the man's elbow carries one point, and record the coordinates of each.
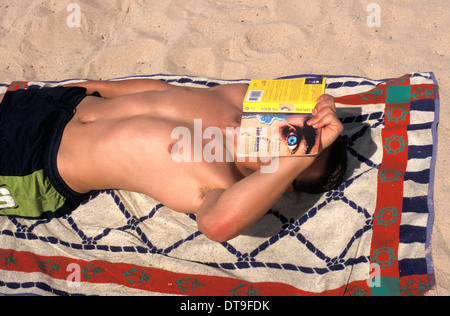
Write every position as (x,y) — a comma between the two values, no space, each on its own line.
(218,230)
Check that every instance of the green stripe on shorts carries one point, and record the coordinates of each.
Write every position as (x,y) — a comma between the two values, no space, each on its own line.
(28,196)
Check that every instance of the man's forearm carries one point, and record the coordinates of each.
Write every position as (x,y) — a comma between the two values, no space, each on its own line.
(227,213)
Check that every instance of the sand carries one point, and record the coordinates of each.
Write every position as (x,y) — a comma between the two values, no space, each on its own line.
(238,39)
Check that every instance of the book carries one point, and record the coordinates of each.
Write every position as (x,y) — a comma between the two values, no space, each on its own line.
(275,116)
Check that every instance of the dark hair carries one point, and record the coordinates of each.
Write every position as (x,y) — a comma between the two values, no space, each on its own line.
(333,176)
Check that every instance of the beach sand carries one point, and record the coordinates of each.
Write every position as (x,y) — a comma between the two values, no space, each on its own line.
(238,39)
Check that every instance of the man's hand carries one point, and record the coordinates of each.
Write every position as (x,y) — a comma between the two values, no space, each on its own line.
(325,117)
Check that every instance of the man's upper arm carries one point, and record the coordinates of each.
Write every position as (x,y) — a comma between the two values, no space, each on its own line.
(114,89)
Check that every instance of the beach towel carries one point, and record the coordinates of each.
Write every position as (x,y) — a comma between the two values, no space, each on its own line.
(369,237)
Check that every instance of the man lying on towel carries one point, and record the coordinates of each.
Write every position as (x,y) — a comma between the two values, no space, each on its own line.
(59,145)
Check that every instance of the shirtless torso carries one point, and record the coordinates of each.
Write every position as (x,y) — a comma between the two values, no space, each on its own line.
(124,141)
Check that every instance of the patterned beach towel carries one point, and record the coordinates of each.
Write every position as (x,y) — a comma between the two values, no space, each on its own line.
(369,237)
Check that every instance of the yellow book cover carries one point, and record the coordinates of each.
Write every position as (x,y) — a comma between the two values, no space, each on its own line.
(284,95)
(275,116)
